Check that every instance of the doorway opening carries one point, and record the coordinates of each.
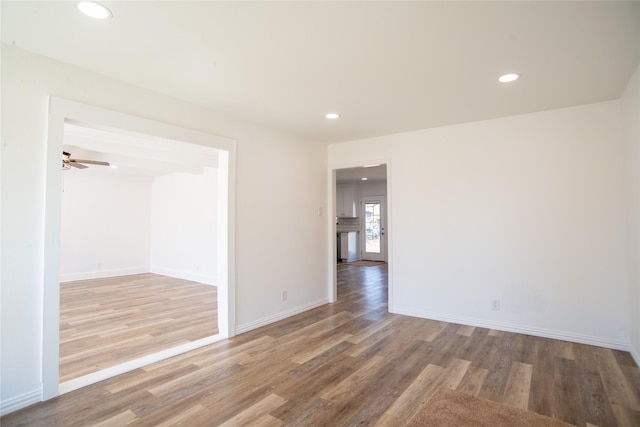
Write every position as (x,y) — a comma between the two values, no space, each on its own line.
(150,140)
(138,253)
(361,231)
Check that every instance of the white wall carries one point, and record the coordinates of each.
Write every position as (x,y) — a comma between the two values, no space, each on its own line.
(526,209)
(105,224)
(371,188)
(281,186)
(115,224)
(183,225)
(631,132)
(279,178)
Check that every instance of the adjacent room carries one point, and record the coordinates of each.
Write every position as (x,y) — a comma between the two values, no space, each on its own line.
(138,254)
(425,212)
(361,214)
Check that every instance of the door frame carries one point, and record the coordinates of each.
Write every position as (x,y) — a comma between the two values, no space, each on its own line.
(61,110)
(332,282)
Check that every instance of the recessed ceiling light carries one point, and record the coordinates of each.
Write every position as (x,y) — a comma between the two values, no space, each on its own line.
(94,9)
(507,78)
(332,116)
(364,179)
(371,166)
(113,166)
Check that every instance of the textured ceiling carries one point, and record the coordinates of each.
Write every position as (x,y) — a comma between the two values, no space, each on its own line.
(386,67)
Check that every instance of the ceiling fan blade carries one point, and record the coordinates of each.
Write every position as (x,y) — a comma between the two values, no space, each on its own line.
(91,162)
(77,165)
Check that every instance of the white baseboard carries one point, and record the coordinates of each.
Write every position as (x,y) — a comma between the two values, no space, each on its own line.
(99,274)
(635,354)
(279,316)
(200,278)
(527,330)
(22,401)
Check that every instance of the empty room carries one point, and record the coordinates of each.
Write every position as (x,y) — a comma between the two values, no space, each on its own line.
(138,248)
(504,284)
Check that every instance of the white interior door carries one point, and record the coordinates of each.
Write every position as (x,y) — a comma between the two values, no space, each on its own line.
(373,228)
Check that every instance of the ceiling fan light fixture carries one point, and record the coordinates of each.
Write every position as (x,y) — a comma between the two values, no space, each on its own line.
(94,9)
(68,162)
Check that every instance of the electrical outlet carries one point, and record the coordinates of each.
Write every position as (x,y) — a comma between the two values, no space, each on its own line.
(495,304)
(283,296)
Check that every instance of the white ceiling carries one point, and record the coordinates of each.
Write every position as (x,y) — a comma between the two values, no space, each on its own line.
(134,154)
(352,175)
(386,67)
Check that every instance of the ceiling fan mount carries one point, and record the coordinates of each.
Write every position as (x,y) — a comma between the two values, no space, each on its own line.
(68,162)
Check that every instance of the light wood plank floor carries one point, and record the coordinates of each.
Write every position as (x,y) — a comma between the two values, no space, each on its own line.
(352,363)
(105,322)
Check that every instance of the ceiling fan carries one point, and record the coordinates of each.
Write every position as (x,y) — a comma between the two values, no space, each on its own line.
(68,162)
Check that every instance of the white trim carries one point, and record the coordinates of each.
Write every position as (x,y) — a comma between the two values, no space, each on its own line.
(279,316)
(520,329)
(92,378)
(332,249)
(200,278)
(635,355)
(390,234)
(99,274)
(22,401)
(226,261)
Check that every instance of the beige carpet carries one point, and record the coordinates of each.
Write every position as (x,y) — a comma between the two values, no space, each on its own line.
(450,408)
